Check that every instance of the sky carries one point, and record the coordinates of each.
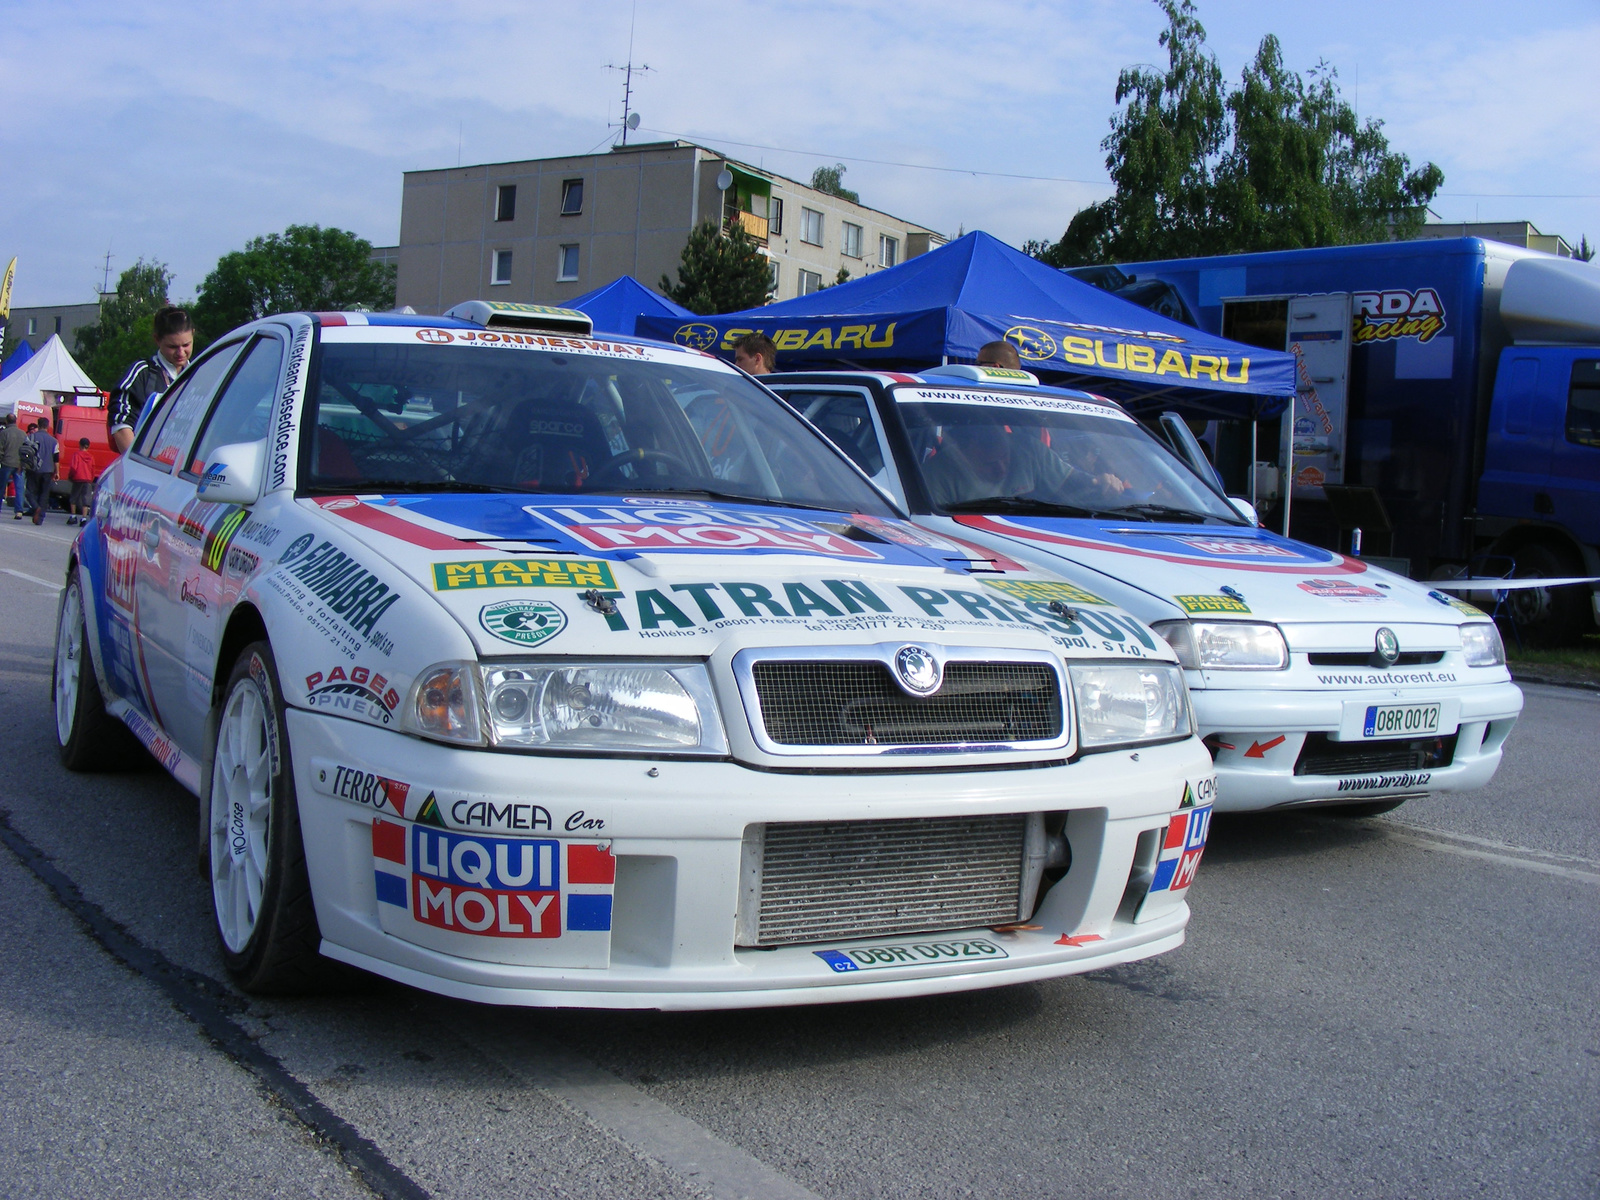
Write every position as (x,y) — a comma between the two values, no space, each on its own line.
(178,131)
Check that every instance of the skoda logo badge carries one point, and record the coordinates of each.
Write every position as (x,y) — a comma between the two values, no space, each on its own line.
(1386,646)
(917,670)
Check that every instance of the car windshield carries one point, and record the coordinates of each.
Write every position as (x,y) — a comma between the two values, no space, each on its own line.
(1043,455)
(391,416)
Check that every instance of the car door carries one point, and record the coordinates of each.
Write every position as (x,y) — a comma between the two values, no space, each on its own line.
(847,416)
(205,530)
(164,591)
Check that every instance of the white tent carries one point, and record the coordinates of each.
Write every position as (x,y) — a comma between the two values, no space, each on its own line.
(50,370)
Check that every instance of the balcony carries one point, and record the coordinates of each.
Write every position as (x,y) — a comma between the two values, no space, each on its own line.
(755,226)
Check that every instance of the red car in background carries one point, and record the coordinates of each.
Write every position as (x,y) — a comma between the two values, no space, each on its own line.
(70,421)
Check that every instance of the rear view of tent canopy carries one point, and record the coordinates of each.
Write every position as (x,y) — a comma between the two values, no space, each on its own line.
(50,370)
(615,307)
(945,304)
(15,359)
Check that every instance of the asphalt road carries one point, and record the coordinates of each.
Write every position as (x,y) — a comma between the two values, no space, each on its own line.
(1402,1006)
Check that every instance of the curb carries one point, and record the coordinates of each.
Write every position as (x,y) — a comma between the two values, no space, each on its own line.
(1579,685)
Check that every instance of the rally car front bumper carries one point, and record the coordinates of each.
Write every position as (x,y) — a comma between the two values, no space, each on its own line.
(678,834)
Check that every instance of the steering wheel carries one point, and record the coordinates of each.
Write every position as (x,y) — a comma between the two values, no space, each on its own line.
(638,455)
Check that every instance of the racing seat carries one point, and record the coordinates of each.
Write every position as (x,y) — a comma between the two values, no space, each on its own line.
(554,444)
(331,460)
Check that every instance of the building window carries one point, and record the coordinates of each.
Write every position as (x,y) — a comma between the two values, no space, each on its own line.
(810,281)
(850,240)
(505,202)
(502,267)
(774,217)
(772,284)
(571,197)
(811,226)
(33,326)
(568,269)
(888,250)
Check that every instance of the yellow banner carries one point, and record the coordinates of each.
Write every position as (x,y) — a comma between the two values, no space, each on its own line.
(5,290)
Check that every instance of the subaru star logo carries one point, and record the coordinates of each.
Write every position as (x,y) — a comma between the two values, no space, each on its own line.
(697,335)
(1386,646)
(917,670)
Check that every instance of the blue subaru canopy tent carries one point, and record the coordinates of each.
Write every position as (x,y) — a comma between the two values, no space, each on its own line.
(615,307)
(942,306)
(16,358)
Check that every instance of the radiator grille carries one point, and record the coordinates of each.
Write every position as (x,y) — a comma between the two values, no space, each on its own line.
(854,879)
(1323,756)
(1363,658)
(858,703)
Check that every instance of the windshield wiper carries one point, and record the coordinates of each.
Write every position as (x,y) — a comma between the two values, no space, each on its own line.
(1020,504)
(1154,511)
(385,487)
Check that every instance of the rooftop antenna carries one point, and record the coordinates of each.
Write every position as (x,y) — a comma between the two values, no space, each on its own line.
(630,119)
(105,281)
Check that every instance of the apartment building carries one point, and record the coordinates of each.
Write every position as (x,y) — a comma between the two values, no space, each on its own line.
(547,230)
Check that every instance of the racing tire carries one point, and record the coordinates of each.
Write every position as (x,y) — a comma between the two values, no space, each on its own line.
(88,738)
(261,899)
(1372,808)
(1549,616)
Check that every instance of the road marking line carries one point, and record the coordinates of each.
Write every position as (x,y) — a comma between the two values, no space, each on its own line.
(1489,844)
(648,1126)
(1527,864)
(54,586)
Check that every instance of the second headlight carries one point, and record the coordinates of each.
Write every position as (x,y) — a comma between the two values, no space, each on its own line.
(603,707)
(1120,704)
(1226,645)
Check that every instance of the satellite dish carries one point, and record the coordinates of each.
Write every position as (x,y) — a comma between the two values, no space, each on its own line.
(633,121)
(724,180)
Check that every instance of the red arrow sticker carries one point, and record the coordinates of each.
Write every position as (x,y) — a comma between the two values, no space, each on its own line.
(1259,749)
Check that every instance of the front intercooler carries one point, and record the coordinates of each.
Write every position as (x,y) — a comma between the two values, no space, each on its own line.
(835,881)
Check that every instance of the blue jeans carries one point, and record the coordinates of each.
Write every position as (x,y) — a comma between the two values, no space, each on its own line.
(15,475)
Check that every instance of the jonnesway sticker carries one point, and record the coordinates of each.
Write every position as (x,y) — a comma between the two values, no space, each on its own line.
(522,572)
(1211,604)
(525,622)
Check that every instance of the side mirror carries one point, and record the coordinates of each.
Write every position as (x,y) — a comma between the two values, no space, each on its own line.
(1245,509)
(233,476)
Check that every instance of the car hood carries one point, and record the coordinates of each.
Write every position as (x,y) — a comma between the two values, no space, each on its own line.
(636,575)
(1212,570)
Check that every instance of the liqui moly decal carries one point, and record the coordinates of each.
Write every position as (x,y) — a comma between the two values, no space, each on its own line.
(695,530)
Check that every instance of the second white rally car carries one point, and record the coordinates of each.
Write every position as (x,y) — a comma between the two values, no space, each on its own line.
(539,668)
(1317,679)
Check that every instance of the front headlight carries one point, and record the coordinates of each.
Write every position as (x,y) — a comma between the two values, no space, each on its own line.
(1482,644)
(1136,702)
(603,707)
(1226,645)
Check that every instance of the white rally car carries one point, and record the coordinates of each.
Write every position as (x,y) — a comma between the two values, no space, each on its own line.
(1316,678)
(539,668)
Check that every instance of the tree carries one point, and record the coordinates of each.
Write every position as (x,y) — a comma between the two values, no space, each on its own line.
(1584,250)
(720,272)
(122,332)
(306,267)
(1280,162)
(831,180)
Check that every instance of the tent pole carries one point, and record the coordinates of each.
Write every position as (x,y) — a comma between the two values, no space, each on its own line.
(1288,468)
(1255,432)
(944,360)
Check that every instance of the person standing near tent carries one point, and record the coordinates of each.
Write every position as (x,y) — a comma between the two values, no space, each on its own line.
(756,354)
(174,334)
(80,473)
(11,439)
(42,470)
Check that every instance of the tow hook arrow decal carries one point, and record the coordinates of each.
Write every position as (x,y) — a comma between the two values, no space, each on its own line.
(1259,749)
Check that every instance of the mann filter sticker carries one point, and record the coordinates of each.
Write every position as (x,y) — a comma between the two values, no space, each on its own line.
(1199,605)
(524,622)
(1045,590)
(522,572)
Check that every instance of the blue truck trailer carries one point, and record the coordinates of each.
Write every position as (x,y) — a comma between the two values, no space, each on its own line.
(1447,389)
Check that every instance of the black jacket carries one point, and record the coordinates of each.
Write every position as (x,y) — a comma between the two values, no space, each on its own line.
(146,378)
